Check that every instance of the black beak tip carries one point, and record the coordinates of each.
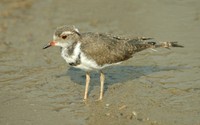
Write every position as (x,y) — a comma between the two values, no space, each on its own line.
(47,46)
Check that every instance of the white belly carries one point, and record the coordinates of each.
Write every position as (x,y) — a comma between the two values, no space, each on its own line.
(89,64)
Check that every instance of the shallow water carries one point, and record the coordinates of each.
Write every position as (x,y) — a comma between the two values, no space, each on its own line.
(37,87)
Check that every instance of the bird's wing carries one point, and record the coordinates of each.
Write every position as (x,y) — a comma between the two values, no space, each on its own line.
(106,49)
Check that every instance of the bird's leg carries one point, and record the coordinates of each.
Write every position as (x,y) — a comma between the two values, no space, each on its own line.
(87,81)
(102,79)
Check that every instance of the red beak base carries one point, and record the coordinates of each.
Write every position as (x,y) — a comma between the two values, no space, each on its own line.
(49,45)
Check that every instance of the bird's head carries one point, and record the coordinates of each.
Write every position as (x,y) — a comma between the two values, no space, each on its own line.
(64,36)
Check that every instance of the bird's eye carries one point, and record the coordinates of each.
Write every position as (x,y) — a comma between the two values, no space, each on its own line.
(64,36)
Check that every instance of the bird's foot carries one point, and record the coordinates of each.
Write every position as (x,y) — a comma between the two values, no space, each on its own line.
(98,100)
(85,101)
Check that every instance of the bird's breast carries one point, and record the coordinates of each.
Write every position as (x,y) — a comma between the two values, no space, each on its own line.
(71,54)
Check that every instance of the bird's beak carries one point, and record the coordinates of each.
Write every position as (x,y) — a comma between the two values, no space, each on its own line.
(53,43)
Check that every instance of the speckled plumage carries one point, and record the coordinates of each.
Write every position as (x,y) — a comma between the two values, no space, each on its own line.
(105,49)
(95,51)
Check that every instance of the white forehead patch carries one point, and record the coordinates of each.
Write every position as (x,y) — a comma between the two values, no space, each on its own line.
(55,37)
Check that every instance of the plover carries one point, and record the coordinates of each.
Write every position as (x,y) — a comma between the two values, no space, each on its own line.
(95,51)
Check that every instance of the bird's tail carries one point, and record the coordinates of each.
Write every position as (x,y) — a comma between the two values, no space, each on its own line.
(166,45)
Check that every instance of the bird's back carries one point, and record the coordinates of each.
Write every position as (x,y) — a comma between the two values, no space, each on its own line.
(108,49)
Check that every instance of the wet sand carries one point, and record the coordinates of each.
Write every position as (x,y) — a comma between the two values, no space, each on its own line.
(154,88)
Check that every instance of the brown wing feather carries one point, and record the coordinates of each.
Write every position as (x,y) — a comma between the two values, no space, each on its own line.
(105,49)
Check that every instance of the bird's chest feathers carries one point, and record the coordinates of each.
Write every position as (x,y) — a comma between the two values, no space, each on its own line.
(71,54)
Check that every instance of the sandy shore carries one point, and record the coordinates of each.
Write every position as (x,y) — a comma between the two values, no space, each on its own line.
(154,88)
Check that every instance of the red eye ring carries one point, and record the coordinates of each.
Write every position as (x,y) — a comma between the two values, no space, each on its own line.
(64,36)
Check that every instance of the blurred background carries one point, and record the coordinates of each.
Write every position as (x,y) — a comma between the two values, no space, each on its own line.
(38,87)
